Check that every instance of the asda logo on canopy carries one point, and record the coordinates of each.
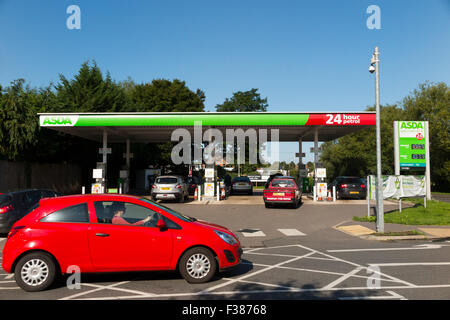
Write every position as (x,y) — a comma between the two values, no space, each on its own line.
(54,121)
(411,125)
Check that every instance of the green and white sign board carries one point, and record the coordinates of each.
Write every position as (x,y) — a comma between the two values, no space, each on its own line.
(398,186)
(411,144)
(412,148)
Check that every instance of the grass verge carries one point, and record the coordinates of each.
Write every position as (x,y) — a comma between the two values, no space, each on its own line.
(436,213)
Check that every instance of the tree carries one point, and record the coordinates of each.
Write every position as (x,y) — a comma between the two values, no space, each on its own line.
(431,102)
(247,101)
(165,96)
(89,91)
(161,96)
(354,154)
(18,124)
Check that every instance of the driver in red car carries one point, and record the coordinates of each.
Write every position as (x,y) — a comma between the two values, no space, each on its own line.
(119,209)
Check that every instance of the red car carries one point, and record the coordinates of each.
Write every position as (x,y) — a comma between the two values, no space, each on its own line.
(283,190)
(114,233)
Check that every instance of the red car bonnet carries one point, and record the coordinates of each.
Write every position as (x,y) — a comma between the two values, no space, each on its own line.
(211,225)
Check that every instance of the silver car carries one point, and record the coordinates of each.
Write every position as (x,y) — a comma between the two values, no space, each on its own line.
(241,184)
(170,188)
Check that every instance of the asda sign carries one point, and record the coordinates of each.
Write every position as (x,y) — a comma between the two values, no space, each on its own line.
(410,144)
(410,125)
(58,121)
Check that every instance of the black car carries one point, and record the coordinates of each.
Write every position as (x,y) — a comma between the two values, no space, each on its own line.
(15,205)
(193,182)
(349,187)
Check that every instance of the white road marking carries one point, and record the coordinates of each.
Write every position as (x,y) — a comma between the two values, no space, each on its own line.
(1,239)
(410,264)
(246,250)
(343,278)
(291,232)
(357,265)
(318,271)
(118,289)
(421,247)
(280,289)
(255,273)
(317,258)
(272,254)
(297,290)
(258,233)
(94,290)
(9,276)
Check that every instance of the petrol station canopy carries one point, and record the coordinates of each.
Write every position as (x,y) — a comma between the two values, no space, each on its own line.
(150,127)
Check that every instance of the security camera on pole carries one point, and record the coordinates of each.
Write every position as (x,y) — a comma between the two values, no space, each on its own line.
(374,67)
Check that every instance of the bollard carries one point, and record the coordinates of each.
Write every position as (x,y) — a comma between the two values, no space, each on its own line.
(83,190)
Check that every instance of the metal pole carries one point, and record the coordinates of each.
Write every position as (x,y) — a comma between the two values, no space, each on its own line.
(368,195)
(380,207)
(127,161)
(218,191)
(105,145)
(316,160)
(396,151)
(239,161)
(427,160)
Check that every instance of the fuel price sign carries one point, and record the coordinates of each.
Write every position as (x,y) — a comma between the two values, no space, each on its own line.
(411,140)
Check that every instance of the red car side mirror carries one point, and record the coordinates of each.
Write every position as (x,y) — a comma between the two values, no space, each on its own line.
(161,224)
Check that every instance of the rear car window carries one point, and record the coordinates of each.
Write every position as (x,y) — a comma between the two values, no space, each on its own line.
(283,183)
(4,199)
(31,197)
(76,213)
(241,179)
(48,194)
(166,180)
(350,180)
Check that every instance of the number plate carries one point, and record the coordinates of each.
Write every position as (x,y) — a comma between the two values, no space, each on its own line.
(354,192)
(279,194)
(165,188)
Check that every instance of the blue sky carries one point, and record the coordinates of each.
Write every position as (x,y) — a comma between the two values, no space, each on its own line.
(302,55)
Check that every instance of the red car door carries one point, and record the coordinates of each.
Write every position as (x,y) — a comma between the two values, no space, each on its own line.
(122,247)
